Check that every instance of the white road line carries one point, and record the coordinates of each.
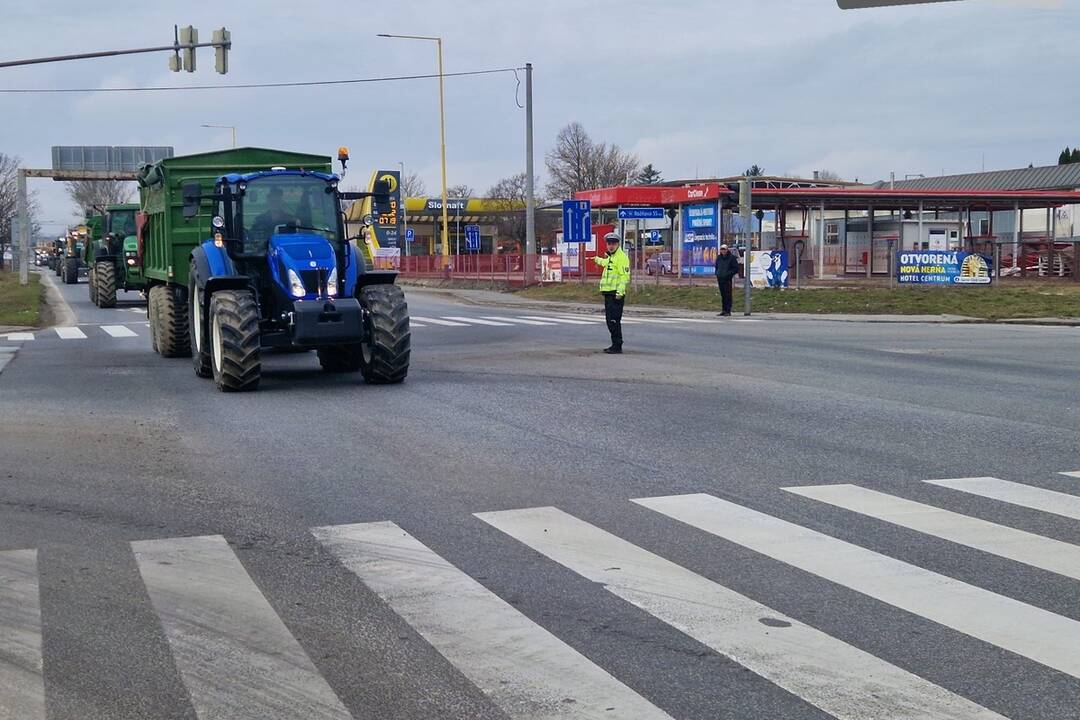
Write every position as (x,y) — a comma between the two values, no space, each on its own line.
(22,689)
(237,659)
(594,320)
(415,324)
(20,336)
(520,666)
(519,321)
(1048,501)
(70,333)
(697,320)
(119,331)
(478,321)
(561,321)
(1058,557)
(842,680)
(436,321)
(1017,627)
(1072,474)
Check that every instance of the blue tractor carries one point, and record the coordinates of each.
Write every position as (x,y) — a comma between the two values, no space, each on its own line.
(278,271)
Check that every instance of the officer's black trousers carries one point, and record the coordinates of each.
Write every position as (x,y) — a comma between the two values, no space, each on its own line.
(613,310)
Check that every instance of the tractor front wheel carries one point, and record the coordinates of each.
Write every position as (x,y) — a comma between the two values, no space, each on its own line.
(384,356)
(91,286)
(103,282)
(234,340)
(70,274)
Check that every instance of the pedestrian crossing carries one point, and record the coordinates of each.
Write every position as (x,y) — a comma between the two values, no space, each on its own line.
(131,328)
(238,659)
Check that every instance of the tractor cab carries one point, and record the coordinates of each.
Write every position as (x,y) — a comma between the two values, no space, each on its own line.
(283,229)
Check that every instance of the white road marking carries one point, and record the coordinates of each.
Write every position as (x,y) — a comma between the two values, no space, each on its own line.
(20,336)
(22,689)
(842,680)
(697,320)
(519,321)
(520,666)
(119,331)
(592,319)
(1017,627)
(1058,557)
(1072,474)
(478,321)
(744,320)
(70,333)
(236,657)
(436,321)
(561,321)
(1048,501)
(415,324)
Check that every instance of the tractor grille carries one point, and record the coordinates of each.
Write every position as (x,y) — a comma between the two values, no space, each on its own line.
(310,278)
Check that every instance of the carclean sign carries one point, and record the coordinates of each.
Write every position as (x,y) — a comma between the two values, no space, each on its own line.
(944,268)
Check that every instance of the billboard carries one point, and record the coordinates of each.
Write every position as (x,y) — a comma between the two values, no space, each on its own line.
(701,238)
(769,269)
(107,158)
(943,268)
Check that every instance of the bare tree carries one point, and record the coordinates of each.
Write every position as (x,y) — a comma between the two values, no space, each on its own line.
(507,197)
(9,179)
(459,191)
(578,163)
(90,194)
(829,175)
(413,186)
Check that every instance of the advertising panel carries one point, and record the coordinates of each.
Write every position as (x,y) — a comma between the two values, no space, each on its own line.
(943,268)
(387,226)
(700,238)
(769,269)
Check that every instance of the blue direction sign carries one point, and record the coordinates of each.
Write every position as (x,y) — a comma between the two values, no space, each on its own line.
(472,237)
(577,221)
(641,213)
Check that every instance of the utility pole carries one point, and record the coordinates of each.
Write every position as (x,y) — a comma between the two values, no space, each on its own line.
(23,210)
(530,191)
(745,202)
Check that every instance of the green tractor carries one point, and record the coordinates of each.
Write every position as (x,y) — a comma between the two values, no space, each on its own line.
(70,265)
(112,258)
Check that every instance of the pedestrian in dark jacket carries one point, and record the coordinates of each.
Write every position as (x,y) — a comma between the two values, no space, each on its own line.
(727,267)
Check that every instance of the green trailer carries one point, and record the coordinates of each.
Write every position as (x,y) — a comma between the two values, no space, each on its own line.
(112,259)
(246,249)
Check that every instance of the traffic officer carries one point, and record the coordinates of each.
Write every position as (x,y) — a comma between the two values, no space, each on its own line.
(613,286)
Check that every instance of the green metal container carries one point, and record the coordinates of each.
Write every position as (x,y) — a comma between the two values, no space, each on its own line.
(169,236)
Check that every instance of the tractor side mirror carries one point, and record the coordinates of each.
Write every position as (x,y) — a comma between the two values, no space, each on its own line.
(192,194)
(381,197)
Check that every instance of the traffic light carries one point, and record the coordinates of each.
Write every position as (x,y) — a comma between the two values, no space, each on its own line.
(222,43)
(189,36)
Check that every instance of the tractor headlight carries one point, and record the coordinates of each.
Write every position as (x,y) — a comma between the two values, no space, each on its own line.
(331,283)
(296,285)
(131,261)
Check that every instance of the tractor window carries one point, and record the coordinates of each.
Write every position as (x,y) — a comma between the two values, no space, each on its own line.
(287,204)
(122,224)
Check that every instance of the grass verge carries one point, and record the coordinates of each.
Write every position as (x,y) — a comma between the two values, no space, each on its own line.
(20,305)
(1007,301)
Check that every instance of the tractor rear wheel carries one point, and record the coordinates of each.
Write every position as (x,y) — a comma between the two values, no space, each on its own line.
(200,347)
(170,318)
(91,285)
(384,356)
(103,280)
(234,340)
(341,358)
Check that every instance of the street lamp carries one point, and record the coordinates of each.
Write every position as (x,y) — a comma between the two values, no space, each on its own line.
(442,133)
(224,127)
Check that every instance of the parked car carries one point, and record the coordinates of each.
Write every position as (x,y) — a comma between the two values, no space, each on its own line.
(658,263)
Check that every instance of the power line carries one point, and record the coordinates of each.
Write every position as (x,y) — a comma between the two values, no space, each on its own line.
(248,86)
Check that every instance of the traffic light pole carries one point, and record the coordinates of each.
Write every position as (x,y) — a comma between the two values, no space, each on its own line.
(745,201)
(175,47)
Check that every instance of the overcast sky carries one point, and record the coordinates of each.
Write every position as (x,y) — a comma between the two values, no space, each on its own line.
(696,87)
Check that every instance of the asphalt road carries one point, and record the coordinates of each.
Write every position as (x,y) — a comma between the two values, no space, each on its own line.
(467,545)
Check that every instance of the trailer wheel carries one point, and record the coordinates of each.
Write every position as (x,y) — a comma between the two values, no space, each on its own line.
(234,340)
(200,347)
(340,358)
(151,315)
(103,281)
(71,271)
(173,338)
(384,356)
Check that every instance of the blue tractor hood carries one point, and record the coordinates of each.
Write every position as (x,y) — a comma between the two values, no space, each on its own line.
(308,255)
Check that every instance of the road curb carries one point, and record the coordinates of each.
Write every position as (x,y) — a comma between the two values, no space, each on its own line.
(469,297)
(7,354)
(63,315)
